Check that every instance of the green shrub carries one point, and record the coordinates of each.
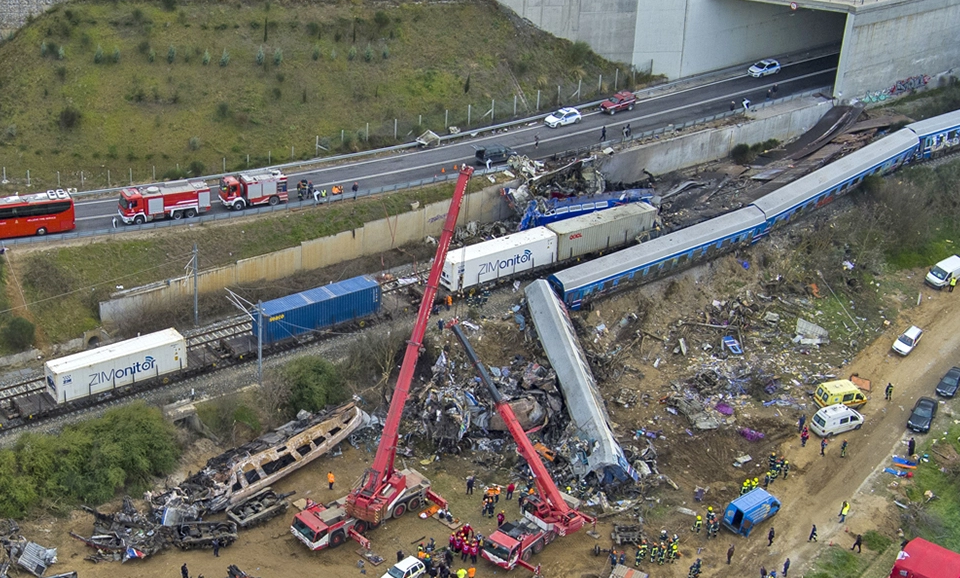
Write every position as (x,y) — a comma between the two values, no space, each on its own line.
(278,56)
(352,53)
(44,49)
(381,19)
(196,168)
(18,334)
(18,491)
(194,143)
(61,52)
(152,55)
(225,58)
(316,52)
(206,57)
(385,53)
(98,55)
(313,29)
(116,54)
(368,53)
(169,5)
(69,117)
(171,54)
(314,384)
(741,154)
(223,110)
(260,56)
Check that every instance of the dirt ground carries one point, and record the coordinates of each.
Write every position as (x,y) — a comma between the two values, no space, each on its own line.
(812,494)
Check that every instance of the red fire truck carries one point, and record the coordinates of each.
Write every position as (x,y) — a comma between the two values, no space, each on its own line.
(546,514)
(176,199)
(36,214)
(385,492)
(251,189)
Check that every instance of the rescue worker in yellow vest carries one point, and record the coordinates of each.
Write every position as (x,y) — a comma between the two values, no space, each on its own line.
(697,525)
(754,483)
(745,487)
(953,283)
(641,552)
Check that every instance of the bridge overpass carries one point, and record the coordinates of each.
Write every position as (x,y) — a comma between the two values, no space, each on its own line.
(881,42)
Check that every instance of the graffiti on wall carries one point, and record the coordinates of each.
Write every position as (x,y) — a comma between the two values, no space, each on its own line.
(908,84)
(899,87)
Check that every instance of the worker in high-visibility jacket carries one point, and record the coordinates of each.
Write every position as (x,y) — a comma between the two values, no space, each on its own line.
(697,525)
(330,479)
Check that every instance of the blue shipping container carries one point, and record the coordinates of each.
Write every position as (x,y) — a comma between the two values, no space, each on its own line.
(318,308)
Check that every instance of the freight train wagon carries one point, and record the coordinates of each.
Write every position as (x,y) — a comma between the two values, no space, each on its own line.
(318,308)
(116,365)
(542,246)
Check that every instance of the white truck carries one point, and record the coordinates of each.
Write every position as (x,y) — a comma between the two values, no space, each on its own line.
(491,260)
(116,365)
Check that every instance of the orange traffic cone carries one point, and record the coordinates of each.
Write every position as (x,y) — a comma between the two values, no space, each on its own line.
(442,170)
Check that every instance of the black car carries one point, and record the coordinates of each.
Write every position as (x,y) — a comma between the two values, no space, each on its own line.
(495,153)
(949,383)
(922,415)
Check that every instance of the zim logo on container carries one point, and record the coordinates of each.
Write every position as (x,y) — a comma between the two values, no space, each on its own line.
(518,259)
(148,363)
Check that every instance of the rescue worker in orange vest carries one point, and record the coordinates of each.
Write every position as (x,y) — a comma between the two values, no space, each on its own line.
(330,479)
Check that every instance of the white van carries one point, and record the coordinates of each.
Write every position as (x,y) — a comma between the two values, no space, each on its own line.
(943,271)
(835,419)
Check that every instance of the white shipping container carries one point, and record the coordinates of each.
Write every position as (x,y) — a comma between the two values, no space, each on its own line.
(491,260)
(118,364)
(602,230)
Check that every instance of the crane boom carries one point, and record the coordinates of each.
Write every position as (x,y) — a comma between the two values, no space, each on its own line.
(381,482)
(555,510)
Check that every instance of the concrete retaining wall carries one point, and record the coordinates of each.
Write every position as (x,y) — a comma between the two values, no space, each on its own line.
(887,42)
(374,237)
(782,122)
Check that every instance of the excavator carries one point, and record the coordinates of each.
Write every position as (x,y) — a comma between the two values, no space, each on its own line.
(385,492)
(546,514)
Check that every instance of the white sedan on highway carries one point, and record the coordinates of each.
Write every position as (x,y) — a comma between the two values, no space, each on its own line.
(563,117)
(764,68)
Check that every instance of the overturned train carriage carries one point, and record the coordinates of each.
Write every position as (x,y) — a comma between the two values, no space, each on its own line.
(590,422)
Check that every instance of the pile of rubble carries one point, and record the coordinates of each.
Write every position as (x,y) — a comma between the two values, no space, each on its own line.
(30,556)
(130,534)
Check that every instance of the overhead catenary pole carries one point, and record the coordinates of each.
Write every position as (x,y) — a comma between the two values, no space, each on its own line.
(196,288)
(260,343)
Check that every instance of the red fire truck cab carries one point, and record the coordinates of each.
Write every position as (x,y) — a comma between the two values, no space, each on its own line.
(175,199)
(251,189)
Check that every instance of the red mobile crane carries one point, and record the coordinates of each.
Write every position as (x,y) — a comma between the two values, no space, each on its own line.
(384,492)
(546,514)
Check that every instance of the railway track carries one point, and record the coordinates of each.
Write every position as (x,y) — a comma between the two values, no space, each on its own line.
(213,348)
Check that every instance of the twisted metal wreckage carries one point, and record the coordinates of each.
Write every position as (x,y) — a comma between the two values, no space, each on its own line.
(451,411)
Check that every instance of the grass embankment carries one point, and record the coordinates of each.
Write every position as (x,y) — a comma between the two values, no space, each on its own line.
(64,285)
(116,86)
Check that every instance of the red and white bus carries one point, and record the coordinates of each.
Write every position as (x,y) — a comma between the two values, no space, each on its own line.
(36,214)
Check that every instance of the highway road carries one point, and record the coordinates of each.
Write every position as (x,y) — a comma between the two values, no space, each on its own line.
(701,99)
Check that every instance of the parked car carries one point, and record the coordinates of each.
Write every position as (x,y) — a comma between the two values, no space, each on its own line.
(906,342)
(623,100)
(495,153)
(563,117)
(409,567)
(922,415)
(949,383)
(764,67)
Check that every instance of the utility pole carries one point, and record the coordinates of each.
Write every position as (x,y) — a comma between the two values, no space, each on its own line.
(260,343)
(196,288)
